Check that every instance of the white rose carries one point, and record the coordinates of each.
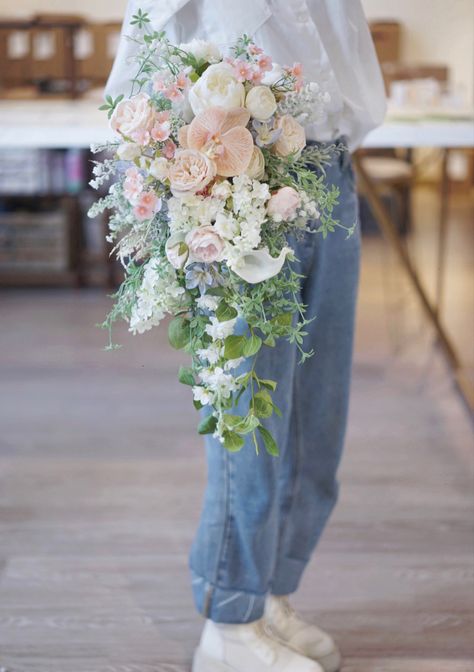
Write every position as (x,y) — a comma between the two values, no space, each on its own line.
(128,151)
(256,167)
(202,50)
(217,87)
(159,169)
(261,103)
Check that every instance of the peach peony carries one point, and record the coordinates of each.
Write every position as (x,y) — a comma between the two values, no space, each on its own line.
(283,204)
(133,118)
(191,171)
(222,135)
(205,245)
(292,139)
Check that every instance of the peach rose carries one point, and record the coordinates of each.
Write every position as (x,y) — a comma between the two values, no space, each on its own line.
(191,171)
(292,139)
(283,204)
(205,245)
(134,118)
(256,167)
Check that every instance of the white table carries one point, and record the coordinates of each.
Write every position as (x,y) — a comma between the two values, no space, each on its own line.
(64,123)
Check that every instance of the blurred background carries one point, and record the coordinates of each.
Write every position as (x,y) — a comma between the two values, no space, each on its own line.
(101,471)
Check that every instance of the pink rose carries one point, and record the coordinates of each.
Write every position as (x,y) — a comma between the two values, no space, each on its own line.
(191,171)
(134,118)
(292,139)
(147,204)
(283,204)
(205,245)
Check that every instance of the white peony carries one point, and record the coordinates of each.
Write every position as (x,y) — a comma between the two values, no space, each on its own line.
(272,76)
(217,87)
(202,50)
(261,103)
(128,151)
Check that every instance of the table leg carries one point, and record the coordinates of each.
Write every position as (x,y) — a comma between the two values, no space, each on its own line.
(442,232)
(389,230)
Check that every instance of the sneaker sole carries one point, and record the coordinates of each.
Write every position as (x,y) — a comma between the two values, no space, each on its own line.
(204,663)
(330,663)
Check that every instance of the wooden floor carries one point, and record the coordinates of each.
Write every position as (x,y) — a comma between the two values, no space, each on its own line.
(101,476)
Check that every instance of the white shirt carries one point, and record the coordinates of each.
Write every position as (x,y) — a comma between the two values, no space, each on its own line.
(329,37)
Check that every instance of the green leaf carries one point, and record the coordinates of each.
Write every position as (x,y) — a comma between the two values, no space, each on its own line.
(197,405)
(270,341)
(232,441)
(262,404)
(179,333)
(283,319)
(225,312)
(241,425)
(207,425)
(234,347)
(186,375)
(270,443)
(252,345)
(269,384)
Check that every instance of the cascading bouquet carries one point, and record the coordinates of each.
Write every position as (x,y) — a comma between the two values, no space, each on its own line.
(211,172)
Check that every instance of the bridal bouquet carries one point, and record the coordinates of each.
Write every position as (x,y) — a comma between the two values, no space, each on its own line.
(211,172)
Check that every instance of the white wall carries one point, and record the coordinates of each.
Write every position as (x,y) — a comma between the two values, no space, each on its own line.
(435,31)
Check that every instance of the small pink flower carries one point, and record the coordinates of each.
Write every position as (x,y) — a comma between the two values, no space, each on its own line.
(161,132)
(297,70)
(265,63)
(148,204)
(242,70)
(133,185)
(182,80)
(159,83)
(254,50)
(169,149)
(257,76)
(163,116)
(173,93)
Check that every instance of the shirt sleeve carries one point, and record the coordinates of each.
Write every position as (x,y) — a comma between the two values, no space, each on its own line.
(346,38)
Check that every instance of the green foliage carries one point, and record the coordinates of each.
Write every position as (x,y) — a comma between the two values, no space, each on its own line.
(207,425)
(110,104)
(179,332)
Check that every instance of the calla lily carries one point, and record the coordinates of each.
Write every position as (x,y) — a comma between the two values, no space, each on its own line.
(258,265)
(223,136)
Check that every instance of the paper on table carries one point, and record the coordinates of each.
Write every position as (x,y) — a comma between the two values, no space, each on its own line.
(83,44)
(18,45)
(44,45)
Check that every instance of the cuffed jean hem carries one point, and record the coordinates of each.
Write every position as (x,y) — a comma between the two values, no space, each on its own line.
(223,605)
(287,576)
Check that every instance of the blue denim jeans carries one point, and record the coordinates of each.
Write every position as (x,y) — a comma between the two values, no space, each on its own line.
(263,515)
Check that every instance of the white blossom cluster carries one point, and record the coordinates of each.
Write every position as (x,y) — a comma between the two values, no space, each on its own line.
(158,294)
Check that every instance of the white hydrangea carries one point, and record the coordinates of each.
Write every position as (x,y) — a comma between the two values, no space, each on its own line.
(208,302)
(211,354)
(218,381)
(203,395)
(220,330)
(159,294)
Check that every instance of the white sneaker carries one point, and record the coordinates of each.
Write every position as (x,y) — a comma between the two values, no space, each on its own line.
(246,648)
(302,637)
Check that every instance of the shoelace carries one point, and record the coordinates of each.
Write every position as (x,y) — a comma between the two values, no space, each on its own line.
(263,644)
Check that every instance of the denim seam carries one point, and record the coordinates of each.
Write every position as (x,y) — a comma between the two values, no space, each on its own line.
(227,532)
